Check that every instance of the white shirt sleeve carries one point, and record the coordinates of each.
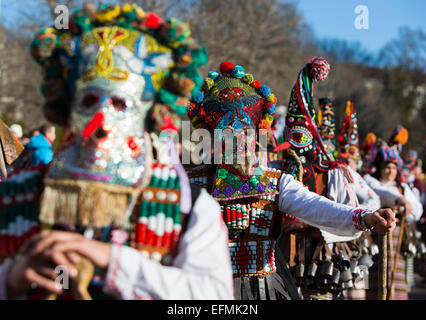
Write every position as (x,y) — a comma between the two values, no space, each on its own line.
(387,196)
(367,198)
(339,189)
(201,269)
(410,196)
(316,210)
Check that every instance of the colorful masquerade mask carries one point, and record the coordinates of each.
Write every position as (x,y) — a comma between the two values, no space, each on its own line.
(327,125)
(113,65)
(301,131)
(231,99)
(349,136)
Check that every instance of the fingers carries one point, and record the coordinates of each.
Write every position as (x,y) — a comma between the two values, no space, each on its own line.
(384,220)
(29,244)
(60,258)
(50,238)
(33,277)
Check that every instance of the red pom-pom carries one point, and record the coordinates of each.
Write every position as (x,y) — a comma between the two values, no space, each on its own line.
(152,21)
(226,67)
(267,105)
(255,84)
(319,68)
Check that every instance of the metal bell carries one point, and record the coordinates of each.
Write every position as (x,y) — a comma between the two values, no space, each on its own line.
(354,263)
(312,270)
(327,269)
(412,248)
(374,249)
(365,276)
(422,248)
(356,271)
(336,277)
(349,284)
(300,270)
(366,260)
(364,242)
(346,275)
(344,258)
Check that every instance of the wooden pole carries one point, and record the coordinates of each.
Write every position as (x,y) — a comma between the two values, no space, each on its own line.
(395,259)
(3,170)
(383,266)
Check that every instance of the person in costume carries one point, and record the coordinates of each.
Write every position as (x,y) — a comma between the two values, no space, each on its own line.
(252,190)
(327,125)
(319,256)
(349,154)
(386,182)
(131,226)
(42,145)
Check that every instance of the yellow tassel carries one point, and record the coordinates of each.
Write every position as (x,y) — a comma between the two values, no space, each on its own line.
(349,108)
(319,119)
(85,203)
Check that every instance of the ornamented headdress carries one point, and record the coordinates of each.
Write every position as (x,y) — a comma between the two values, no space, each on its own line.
(398,138)
(385,154)
(327,125)
(368,151)
(301,132)
(100,79)
(411,160)
(168,59)
(348,139)
(232,98)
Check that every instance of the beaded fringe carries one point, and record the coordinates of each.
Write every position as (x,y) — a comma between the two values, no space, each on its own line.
(85,203)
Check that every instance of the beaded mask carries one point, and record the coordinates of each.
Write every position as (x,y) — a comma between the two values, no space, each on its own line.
(348,139)
(114,70)
(231,99)
(327,125)
(300,131)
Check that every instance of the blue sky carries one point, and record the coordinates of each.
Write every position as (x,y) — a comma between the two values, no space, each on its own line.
(335,19)
(328,18)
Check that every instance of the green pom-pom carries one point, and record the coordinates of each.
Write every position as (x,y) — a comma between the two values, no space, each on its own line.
(248,78)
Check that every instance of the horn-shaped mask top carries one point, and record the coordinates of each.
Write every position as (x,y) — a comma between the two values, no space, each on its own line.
(327,125)
(349,136)
(301,131)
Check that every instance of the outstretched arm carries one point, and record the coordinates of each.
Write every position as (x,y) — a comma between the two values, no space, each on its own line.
(318,211)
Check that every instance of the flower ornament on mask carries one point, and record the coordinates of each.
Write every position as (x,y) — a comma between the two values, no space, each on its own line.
(112,65)
(232,99)
(349,136)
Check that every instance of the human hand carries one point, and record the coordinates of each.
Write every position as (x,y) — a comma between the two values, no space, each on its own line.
(31,269)
(383,220)
(64,248)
